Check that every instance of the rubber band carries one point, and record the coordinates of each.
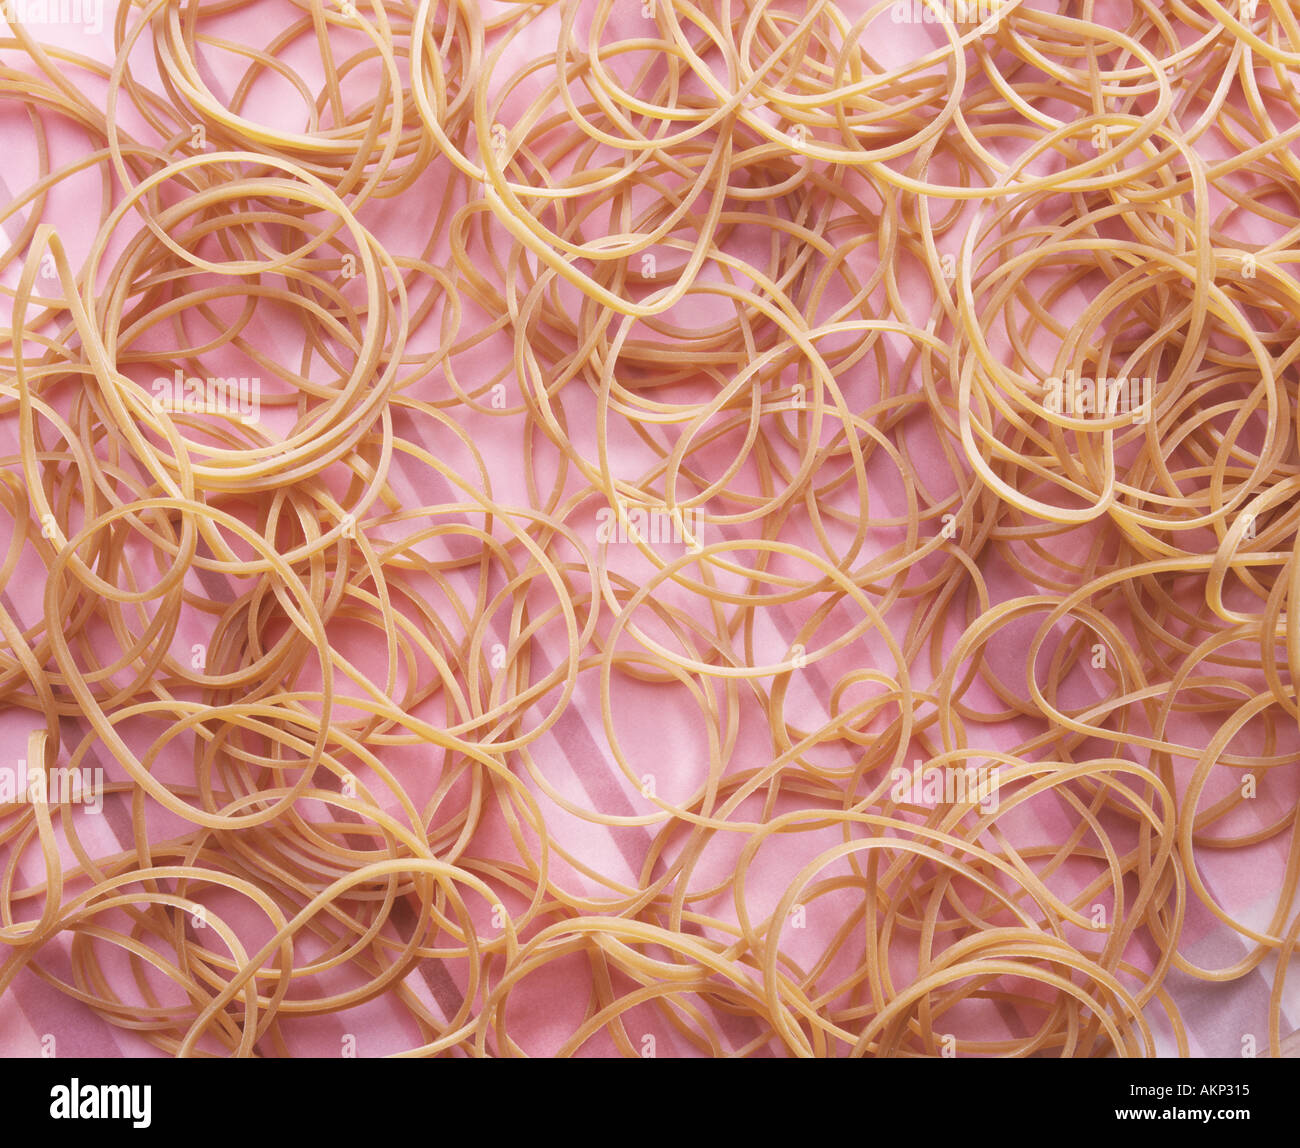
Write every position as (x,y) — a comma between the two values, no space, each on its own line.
(761,426)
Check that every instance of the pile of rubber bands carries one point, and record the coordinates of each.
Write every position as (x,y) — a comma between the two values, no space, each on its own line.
(651,528)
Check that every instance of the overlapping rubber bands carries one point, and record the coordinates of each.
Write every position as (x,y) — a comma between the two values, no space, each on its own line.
(664,455)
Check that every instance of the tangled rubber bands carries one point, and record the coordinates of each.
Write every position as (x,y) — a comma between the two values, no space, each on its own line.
(651,528)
